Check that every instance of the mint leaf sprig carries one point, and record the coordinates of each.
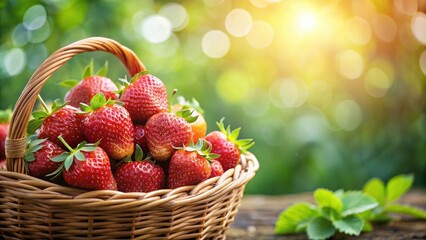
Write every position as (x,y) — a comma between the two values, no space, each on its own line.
(348,212)
(334,211)
(387,195)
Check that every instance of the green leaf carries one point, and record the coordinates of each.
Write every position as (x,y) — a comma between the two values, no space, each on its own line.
(357,202)
(405,209)
(80,156)
(88,149)
(138,153)
(40,114)
(398,186)
(69,161)
(103,71)
(368,227)
(298,214)
(29,157)
(320,228)
(60,158)
(33,125)
(97,101)
(351,225)
(326,198)
(69,83)
(376,189)
(88,70)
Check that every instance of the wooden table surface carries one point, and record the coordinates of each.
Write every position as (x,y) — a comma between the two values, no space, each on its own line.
(257,215)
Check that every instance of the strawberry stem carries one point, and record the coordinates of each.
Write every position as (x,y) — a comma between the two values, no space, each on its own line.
(66,144)
(46,108)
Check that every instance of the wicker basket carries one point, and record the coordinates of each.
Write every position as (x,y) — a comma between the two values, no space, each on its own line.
(31,208)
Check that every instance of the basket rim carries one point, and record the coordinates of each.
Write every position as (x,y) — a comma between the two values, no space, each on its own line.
(32,187)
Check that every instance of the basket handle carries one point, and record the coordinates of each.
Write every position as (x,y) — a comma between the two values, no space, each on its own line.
(16,140)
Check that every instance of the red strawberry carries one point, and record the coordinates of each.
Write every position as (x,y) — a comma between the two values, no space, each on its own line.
(226,144)
(4,129)
(110,124)
(140,138)
(164,131)
(217,169)
(190,165)
(145,96)
(82,92)
(38,157)
(139,176)
(86,166)
(60,120)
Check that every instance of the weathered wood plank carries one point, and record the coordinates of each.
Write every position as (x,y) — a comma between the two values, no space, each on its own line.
(257,215)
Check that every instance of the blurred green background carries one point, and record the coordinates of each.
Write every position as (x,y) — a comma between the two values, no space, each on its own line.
(333,92)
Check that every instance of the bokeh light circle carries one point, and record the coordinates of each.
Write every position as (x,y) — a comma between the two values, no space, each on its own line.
(385,27)
(360,31)
(348,115)
(238,22)
(257,103)
(14,61)
(377,82)
(215,44)
(422,62)
(156,28)
(177,15)
(261,35)
(35,17)
(418,26)
(287,93)
(350,64)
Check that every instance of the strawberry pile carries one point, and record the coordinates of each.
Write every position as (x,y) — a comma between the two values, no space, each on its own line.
(130,139)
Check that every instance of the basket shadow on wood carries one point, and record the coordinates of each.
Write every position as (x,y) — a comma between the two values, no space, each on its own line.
(31,208)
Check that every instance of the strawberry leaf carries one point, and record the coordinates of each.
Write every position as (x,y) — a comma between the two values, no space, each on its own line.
(398,186)
(103,71)
(356,202)
(68,161)
(232,136)
(88,70)
(351,225)
(376,189)
(138,153)
(295,218)
(70,83)
(326,199)
(320,228)
(79,156)
(60,158)
(39,114)
(33,145)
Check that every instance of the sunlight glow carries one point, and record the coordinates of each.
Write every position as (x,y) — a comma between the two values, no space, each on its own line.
(306,21)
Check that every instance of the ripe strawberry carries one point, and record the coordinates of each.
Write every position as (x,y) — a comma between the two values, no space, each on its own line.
(60,120)
(144,96)
(140,138)
(164,131)
(199,127)
(38,157)
(217,169)
(4,129)
(140,175)
(86,166)
(226,144)
(82,92)
(110,124)
(190,165)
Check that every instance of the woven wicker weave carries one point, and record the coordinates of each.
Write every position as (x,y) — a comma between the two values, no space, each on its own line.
(31,208)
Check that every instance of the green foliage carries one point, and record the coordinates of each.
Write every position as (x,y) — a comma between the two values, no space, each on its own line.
(348,212)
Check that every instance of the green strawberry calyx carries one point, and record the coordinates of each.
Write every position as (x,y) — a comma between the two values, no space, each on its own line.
(124,83)
(202,148)
(186,104)
(98,101)
(40,115)
(232,136)
(87,72)
(5,115)
(67,158)
(33,146)
(186,112)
